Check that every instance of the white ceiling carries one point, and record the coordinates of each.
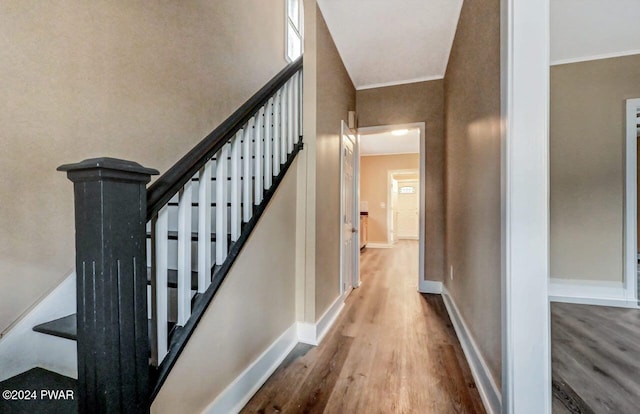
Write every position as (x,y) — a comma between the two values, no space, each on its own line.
(387,143)
(593,29)
(384,42)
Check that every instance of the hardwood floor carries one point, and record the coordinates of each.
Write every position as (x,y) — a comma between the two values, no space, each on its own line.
(392,350)
(595,359)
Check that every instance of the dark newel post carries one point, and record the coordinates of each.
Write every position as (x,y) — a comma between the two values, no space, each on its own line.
(113,342)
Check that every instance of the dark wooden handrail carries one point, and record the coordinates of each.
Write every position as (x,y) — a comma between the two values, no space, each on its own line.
(168,185)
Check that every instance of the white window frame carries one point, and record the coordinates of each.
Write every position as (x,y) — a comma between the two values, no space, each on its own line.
(292,29)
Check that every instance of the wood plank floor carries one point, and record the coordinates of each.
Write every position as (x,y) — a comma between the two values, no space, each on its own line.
(595,359)
(392,350)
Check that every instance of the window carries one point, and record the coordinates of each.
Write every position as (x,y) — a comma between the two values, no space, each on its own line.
(407,190)
(294,29)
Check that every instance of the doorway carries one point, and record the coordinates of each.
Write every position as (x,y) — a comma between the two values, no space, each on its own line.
(632,221)
(390,215)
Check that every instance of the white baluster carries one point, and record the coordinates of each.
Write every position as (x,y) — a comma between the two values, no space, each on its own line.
(159,289)
(236,186)
(300,99)
(276,132)
(290,117)
(184,253)
(268,145)
(296,108)
(221,204)
(259,135)
(204,227)
(283,124)
(246,176)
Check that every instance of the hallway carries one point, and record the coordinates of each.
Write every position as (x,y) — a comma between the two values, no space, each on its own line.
(392,350)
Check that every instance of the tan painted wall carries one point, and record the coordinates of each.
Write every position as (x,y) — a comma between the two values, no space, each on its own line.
(374,188)
(138,80)
(472,98)
(587,138)
(417,102)
(335,96)
(234,330)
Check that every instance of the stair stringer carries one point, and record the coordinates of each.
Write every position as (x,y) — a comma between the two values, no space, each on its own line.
(22,349)
(254,306)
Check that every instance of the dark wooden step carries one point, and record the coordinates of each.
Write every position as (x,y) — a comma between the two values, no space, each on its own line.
(173,235)
(65,327)
(172,278)
(228,178)
(196,204)
(40,380)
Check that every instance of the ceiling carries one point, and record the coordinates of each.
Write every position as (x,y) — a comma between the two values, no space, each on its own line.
(387,143)
(385,42)
(593,29)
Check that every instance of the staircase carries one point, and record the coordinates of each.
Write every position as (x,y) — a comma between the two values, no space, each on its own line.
(150,260)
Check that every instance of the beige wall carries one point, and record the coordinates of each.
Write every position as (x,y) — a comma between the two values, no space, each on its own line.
(374,188)
(138,80)
(472,113)
(335,96)
(417,102)
(234,330)
(587,138)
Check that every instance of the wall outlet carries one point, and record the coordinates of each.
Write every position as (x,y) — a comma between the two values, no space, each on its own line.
(451,272)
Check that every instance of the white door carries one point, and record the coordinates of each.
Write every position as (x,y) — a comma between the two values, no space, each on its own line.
(394,211)
(349,225)
(407,210)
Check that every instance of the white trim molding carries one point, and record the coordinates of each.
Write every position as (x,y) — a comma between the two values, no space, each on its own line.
(595,57)
(239,392)
(378,245)
(630,202)
(22,349)
(526,332)
(400,82)
(590,292)
(314,333)
(487,387)
(430,286)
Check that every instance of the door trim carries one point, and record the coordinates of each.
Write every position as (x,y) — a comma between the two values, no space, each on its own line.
(630,203)
(355,282)
(423,285)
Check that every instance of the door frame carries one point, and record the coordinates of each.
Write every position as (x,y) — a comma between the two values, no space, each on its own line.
(390,178)
(424,286)
(355,282)
(631,207)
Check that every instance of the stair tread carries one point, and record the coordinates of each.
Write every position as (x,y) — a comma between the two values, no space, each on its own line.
(173,235)
(228,178)
(172,278)
(65,327)
(37,379)
(195,204)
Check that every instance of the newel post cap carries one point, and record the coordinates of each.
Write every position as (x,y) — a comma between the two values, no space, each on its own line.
(106,168)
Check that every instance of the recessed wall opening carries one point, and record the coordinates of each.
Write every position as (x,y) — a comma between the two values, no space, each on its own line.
(391,196)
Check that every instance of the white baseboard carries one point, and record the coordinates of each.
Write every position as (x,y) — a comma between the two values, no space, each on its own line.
(430,286)
(590,292)
(22,349)
(408,237)
(240,391)
(313,334)
(489,391)
(379,246)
